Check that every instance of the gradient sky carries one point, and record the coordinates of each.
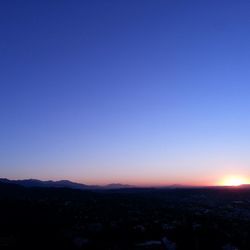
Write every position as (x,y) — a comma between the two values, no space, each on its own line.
(132,91)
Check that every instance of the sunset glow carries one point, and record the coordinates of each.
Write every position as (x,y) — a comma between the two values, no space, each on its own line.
(234,181)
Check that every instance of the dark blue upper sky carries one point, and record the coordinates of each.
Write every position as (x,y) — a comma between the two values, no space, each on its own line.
(132,91)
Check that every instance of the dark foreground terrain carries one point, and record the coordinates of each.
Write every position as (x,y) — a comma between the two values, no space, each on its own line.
(61,218)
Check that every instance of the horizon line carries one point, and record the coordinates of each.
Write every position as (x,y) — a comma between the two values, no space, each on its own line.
(177,185)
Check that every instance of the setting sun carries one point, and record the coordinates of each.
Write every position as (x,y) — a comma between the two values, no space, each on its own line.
(234,181)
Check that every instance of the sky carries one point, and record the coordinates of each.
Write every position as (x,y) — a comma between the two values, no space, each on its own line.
(130,91)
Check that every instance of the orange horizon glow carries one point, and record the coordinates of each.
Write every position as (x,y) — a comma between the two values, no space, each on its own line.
(234,181)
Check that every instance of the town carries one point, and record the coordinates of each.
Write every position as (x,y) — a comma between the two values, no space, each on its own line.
(129,218)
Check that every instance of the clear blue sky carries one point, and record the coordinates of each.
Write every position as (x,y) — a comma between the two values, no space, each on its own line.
(135,91)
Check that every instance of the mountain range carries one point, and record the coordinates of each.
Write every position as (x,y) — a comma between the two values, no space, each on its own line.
(61,184)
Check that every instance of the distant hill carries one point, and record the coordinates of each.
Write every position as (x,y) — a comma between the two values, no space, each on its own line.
(245,186)
(117,186)
(60,184)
